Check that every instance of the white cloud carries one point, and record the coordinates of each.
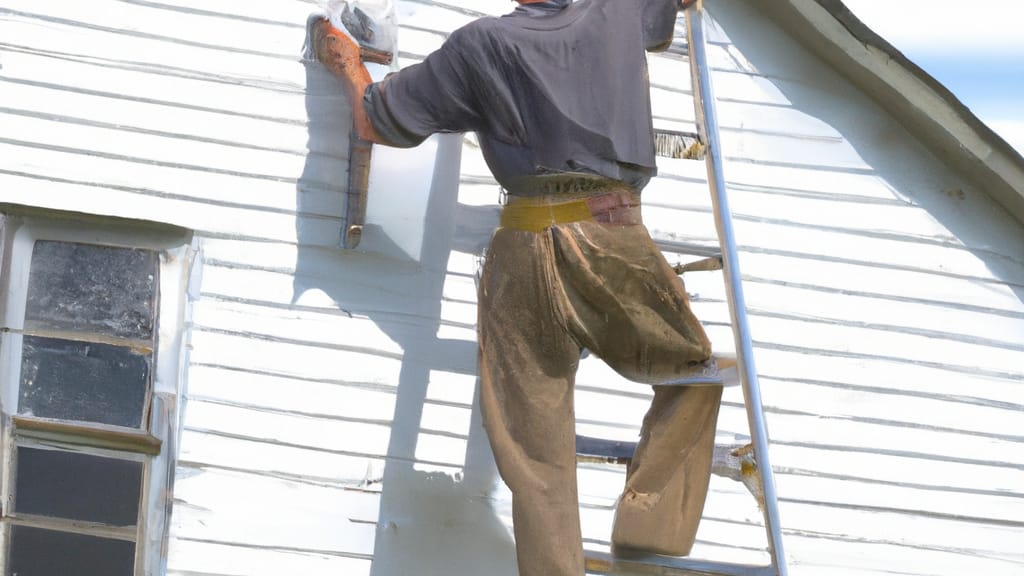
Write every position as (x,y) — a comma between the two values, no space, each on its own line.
(945,25)
(1011,130)
(975,48)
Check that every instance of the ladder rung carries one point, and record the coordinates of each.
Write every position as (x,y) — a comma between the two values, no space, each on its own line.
(704,265)
(602,450)
(709,374)
(604,563)
(732,462)
(677,144)
(689,248)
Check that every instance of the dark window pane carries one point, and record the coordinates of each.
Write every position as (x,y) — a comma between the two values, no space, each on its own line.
(77,486)
(89,288)
(82,381)
(38,552)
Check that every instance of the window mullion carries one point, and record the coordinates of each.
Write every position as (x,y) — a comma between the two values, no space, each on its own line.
(102,436)
(126,533)
(135,345)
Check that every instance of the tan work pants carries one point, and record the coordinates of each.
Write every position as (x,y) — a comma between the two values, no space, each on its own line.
(606,287)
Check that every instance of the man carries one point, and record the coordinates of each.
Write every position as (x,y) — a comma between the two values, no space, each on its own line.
(559,97)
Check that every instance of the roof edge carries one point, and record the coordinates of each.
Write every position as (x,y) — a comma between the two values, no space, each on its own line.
(926,108)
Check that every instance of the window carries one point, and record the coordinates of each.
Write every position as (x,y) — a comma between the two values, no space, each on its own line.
(91,320)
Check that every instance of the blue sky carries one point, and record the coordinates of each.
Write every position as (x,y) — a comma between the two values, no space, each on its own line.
(976,49)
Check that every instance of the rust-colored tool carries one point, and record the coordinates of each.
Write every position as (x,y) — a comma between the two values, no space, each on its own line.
(360,151)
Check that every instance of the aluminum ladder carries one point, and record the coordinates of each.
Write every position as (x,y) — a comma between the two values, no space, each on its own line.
(620,452)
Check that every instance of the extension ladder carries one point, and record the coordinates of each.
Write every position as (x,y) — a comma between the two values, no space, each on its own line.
(754,469)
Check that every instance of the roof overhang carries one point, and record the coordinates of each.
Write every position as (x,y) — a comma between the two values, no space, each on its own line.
(926,108)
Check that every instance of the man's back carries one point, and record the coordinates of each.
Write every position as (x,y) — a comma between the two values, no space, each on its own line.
(549,90)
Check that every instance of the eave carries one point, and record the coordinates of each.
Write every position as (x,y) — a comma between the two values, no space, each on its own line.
(925,108)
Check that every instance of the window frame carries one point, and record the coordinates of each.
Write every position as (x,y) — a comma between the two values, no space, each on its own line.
(155,442)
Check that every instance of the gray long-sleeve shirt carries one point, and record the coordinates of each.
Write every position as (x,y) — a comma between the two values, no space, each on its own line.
(549,88)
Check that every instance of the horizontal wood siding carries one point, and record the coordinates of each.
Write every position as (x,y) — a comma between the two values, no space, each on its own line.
(330,425)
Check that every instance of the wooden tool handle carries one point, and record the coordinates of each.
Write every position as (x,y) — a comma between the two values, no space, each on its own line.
(377,56)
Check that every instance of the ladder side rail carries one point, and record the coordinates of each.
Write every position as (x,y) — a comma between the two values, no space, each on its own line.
(707,123)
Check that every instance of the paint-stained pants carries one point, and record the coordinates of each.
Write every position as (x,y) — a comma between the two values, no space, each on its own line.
(607,288)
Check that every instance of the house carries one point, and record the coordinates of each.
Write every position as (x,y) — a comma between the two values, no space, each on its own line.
(197,381)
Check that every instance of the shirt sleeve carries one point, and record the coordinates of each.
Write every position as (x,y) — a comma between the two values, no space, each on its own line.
(433,96)
(659,23)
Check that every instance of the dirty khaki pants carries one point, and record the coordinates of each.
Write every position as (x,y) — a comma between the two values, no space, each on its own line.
(544,295)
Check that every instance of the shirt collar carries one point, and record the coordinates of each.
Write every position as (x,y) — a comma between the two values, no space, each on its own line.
(543,8)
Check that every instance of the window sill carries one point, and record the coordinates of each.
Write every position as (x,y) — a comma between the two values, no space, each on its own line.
(87,434)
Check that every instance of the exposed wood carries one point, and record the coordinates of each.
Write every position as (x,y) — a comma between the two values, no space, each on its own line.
(86,434)
(127,533)
(359,155)
(705,265)
(665,566)
(375,55)
(135,345)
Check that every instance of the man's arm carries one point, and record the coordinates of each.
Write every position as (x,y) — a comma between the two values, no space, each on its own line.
(340,54)
(402,110)
(659,18)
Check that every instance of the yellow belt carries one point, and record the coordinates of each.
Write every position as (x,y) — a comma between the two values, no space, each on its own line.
(536,214)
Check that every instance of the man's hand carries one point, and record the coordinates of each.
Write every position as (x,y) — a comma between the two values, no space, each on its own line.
(341,55)
(335,50)
(684,4)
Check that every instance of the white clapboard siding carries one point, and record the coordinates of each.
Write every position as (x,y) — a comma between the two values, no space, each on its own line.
(321,467)
(330,424)
(199,44)
(195,558)
(168,120)
(156,84)
(225,506)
